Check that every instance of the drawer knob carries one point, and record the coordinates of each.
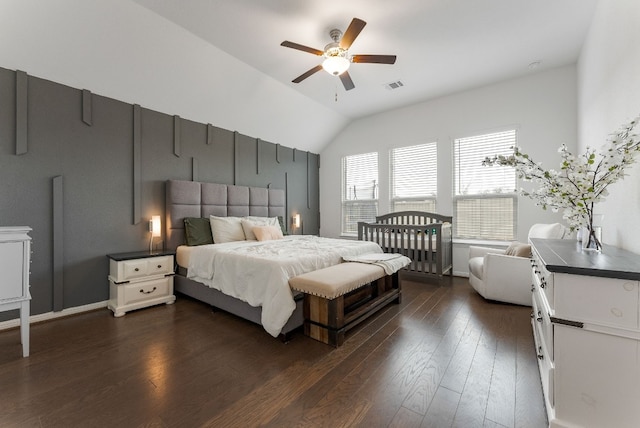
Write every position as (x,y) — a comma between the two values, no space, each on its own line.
(148,292)
(159,266)
(136,269)
(543,283)
(540,355)
(533,288)
(539,318)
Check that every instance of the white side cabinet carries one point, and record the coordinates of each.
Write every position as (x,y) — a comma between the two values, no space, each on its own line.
(586,327)
(140,279)
(15,258)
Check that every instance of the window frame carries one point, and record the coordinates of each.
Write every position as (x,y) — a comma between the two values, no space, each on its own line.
(372,202)
(485,195)
(431,199)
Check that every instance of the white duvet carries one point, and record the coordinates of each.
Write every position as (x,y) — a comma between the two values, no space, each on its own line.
(258,272)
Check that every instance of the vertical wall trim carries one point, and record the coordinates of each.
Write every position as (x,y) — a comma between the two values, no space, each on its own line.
(86,107)
(294,154)
(257,156)
(58,244)
(235,157)
(176,135)
(286,200)
(137,159)
(22,115)
(308,183)
(209,134)
(278,153)
(194,169)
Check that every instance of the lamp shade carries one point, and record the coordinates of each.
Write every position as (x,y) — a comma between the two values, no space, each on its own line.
(296,220)
(155,226)
(336,65)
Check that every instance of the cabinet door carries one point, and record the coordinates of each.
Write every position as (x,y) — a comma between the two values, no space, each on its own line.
(597,379)
(12,268)
(602,301)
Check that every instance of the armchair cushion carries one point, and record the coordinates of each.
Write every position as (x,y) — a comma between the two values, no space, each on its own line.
(518,249)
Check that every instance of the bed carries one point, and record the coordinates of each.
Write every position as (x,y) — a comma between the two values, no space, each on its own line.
(424,237)
(247,278)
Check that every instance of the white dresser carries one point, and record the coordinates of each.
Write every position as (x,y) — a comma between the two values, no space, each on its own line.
(586,326)
(15,258)
(140,279)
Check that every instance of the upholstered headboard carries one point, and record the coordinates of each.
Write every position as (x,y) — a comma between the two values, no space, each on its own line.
(196,199)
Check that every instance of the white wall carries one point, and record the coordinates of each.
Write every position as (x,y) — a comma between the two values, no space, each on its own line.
(609,96)
(122,50)
(541,106)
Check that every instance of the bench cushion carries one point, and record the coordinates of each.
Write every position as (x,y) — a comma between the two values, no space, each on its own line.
(336,280)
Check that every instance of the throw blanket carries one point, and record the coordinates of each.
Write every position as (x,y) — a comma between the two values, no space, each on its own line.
(391,263)
(258,272)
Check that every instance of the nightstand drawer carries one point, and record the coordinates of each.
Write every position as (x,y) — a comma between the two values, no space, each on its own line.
(142,291)
(127,270)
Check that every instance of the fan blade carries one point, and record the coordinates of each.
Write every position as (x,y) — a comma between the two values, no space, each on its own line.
(307,74)
(352,32)
(374,59)
(346,81)
(288,44)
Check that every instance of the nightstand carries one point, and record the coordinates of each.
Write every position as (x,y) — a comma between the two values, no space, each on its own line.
(140,279)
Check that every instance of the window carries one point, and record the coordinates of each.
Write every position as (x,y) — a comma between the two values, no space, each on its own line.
(485,200)
(414,178)
(359,191)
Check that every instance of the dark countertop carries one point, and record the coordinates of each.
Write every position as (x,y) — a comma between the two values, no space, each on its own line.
(567,256)
(140,255)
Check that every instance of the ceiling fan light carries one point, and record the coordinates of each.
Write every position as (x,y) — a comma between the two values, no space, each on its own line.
(336,65)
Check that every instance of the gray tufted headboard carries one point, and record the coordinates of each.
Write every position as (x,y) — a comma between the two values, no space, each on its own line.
(196,199)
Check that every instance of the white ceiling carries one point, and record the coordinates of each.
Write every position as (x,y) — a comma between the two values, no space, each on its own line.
(443,46)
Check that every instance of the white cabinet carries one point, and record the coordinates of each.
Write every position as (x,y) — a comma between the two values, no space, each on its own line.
(586,309)
(139,279)
(15,258)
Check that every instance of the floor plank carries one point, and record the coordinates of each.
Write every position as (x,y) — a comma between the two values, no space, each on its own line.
(443,357)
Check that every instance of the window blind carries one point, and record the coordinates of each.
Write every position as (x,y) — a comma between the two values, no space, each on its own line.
(359,190)
(485,200)
(414,177)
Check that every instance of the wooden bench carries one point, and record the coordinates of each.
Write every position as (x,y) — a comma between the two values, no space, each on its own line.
(339,297)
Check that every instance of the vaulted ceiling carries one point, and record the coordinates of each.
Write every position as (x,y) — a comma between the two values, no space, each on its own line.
(442,46)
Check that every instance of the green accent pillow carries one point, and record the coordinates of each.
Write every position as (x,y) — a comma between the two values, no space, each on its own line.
(197,231)
(282,226)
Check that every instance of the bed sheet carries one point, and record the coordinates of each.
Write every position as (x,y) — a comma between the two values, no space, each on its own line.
(258,272)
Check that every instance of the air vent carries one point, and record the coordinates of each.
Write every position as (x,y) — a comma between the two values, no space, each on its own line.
(394,85)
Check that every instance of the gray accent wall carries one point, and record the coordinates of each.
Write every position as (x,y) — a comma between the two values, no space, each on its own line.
(87,172)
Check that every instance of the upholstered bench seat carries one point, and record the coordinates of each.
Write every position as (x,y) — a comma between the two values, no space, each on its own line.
(339,297)
(334,281)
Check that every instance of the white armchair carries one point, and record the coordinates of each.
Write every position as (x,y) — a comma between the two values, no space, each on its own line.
(505,275)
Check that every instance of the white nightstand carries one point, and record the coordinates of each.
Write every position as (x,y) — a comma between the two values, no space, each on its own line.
(140,279)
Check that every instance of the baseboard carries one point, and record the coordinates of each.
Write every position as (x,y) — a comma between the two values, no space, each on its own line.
(461,274)
(4,325)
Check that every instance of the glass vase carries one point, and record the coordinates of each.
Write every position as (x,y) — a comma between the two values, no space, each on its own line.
(592,234)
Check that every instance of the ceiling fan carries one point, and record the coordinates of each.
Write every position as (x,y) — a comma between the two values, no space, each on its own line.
(336,54)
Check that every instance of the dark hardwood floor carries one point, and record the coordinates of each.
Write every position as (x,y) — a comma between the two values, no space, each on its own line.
(443,357)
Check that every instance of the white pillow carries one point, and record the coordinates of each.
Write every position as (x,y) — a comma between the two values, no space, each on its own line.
(226,229)
(267,233)
(249,222)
